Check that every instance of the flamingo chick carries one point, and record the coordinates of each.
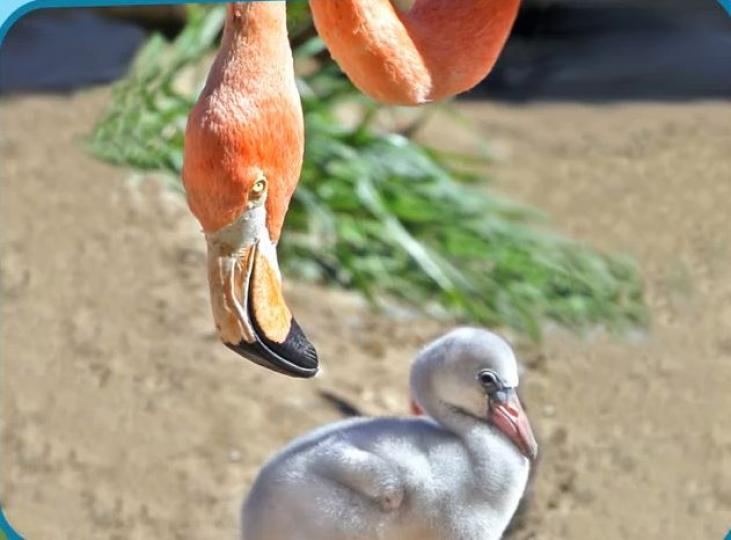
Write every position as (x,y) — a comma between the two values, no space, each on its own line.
(457,474)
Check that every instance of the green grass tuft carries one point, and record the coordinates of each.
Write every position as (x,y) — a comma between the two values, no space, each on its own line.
(378,212)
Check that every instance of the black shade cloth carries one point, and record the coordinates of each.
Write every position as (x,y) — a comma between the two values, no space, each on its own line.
(63,50)
(577,50)
(615,50)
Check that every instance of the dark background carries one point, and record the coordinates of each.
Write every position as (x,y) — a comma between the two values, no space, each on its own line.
(559,50)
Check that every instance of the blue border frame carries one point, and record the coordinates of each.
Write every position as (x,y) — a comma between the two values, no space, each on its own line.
(6,529)
(12,10)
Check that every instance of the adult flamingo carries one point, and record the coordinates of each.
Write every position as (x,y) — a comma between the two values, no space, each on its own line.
(244,140)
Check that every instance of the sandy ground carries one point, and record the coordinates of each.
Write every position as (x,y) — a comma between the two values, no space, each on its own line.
(124,419)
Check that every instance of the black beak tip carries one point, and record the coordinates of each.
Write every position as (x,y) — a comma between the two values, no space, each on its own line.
(295,356)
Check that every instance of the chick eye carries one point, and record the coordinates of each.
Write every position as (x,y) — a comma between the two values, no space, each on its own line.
(488,379)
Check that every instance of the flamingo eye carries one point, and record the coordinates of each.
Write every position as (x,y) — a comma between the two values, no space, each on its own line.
(489,380)
(259,186)
(258,189)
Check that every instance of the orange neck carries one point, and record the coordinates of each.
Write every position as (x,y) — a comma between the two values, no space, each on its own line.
(459,40)
(247,121)
(432,50)
(254,41)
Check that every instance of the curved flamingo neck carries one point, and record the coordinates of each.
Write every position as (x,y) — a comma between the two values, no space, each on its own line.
(425,397)
(459,40)
(435,49)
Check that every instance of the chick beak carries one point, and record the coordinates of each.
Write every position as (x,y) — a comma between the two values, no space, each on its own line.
(251,315)
(415,408)
(507,414)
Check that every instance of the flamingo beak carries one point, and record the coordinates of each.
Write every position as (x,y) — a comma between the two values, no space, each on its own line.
(251,315)
(507,414)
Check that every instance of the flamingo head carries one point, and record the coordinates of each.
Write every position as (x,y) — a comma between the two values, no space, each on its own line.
(473,373)
(239,179)
(249,309)
(243,152)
